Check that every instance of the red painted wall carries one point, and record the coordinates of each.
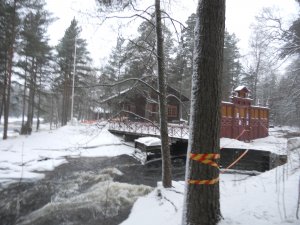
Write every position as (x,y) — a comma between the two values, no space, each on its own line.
(242,121)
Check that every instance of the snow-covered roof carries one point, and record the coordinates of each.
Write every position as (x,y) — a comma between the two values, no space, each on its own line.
(230,103)
(116,95)
(123,92)
(100,110)
(239,88)
(149,141)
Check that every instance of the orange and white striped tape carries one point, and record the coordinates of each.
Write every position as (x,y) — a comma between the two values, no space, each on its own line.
(206,158)
(205,182)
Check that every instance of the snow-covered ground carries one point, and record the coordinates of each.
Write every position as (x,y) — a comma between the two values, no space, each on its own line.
(269,198)
(26,156)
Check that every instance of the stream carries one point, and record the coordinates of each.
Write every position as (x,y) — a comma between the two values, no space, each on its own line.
(89,191)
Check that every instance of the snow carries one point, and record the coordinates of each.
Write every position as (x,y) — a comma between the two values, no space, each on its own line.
(239,88)
(271,143)
(149,141)
(100,110)
(26,156)
(160,207)
(269,198)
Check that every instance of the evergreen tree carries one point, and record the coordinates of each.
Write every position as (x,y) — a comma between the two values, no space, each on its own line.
(183,62)
(65,60)
(4,34)
(35,54)
(115,68)
(9,22)
(181,68)
(231,66)
(140,52)
(10,17)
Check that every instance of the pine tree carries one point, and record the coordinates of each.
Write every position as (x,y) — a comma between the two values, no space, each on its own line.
(181,66)
(9,21)
(183,63)
(231,66)
(65,60)
(140,52)
(35,54)
(202,197)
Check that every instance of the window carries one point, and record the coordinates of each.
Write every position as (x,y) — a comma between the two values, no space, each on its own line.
(242,112)
(236,112)
(256,113)
(172,111)
(154,108)
(229,111)
(223,110)
(252,114)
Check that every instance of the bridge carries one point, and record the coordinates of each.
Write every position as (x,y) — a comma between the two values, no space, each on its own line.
(258,160)
(139,129)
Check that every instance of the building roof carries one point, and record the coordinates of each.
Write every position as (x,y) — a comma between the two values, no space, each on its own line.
(240,88)
(170,90)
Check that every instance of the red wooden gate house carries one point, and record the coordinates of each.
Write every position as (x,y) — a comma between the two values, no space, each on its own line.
(241,120)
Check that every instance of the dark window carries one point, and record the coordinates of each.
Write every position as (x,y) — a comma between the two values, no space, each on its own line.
(172,111)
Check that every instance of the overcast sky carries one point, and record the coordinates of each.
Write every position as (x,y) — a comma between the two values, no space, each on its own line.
(101,38)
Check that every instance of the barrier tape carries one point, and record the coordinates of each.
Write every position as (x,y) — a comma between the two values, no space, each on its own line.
(208,160)
(205,158)
(206,182)
(235,161)
(244,130)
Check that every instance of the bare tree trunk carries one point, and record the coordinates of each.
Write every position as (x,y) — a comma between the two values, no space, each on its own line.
(24,93)
(202,197)
(63,103)
(66,96)
(27,128)
(10,65)
(1,108)
(3,88)
(39,105)
(51,115)
(165,149)
(256,73)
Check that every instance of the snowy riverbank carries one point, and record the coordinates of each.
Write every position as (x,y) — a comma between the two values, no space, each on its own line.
(265,199)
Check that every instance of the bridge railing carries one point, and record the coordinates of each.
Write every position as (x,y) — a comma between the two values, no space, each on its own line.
(175,130)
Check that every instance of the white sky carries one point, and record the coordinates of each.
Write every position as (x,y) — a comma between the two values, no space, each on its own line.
(101,38)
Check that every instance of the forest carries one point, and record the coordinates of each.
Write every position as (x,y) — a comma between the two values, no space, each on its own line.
(36,78)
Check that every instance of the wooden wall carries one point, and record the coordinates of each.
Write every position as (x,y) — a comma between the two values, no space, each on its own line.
(244,122)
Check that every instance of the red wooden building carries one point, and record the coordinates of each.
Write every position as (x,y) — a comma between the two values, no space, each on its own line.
(241,120)
(143,103)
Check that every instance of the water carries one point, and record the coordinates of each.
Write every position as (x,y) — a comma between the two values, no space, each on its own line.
(84,191)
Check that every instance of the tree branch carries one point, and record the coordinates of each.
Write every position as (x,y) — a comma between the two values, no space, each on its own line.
(134,114)
(121,82)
